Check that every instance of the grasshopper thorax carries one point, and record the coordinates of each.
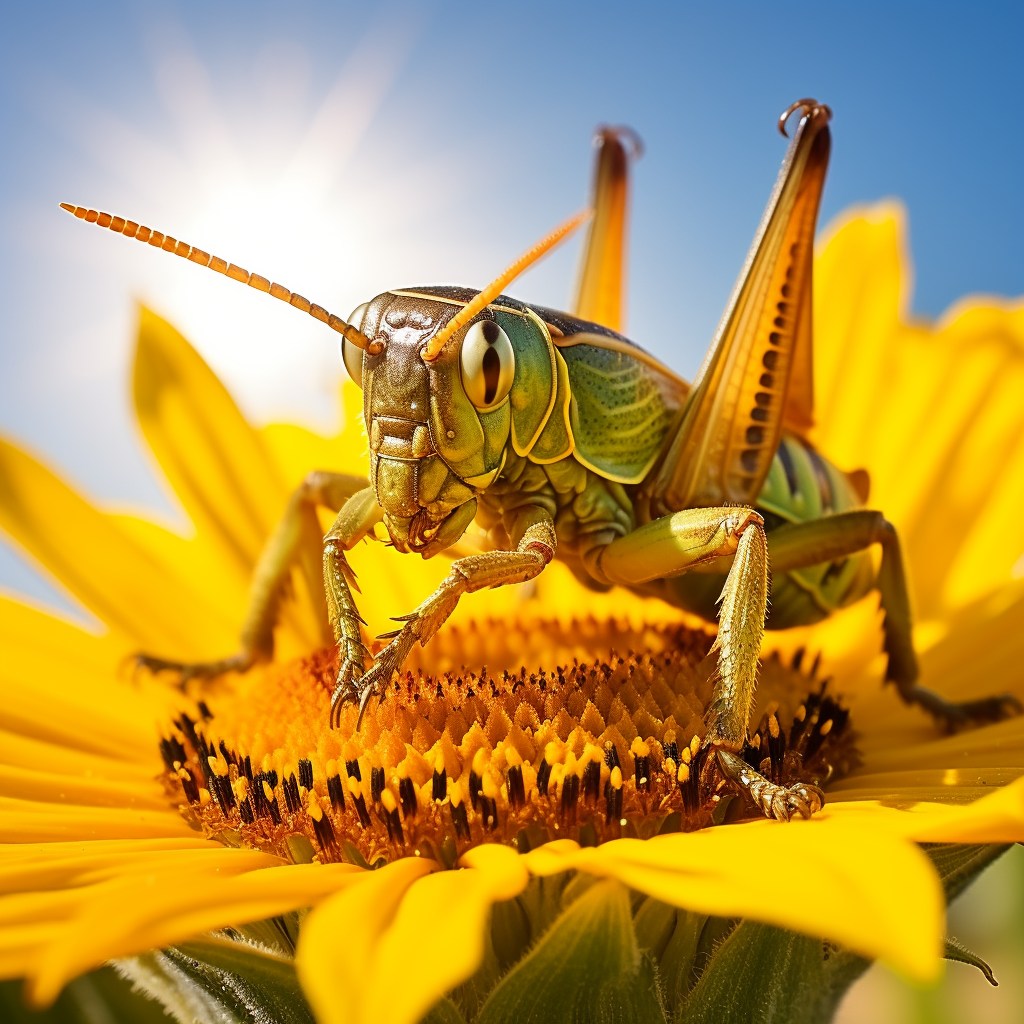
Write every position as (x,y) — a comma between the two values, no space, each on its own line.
(433,448)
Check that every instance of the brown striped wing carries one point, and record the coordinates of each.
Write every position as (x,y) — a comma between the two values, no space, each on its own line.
(757,376)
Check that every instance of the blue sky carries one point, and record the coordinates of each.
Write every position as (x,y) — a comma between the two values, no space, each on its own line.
(347,148)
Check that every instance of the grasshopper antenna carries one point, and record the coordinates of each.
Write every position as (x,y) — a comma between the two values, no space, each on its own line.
(433,347)
(143,234)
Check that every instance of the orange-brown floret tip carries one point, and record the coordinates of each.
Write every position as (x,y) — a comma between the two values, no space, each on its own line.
(591,746)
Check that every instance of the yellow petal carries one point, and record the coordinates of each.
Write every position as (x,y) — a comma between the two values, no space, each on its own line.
(46,632)
(935,785)
(29,821)
(218,465)
(296,450)
(21,751)
(20,945)
(133,914)
(336,958)
(31,784)
(996,818)
(944,480)
(433,926)
(214,460)
(867,890)
(504,869)
(88,552)
(452,908)
(26,867)
(61,686)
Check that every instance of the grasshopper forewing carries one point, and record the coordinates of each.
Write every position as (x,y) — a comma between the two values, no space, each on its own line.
(757,376)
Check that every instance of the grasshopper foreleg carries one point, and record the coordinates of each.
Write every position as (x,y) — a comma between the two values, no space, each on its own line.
(672,545)
(356,518)
(536,547)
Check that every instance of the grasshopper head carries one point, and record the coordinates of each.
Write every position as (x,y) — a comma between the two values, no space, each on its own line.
(438,429)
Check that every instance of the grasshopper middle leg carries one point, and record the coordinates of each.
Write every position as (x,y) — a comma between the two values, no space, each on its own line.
(298,540)
(797,545)
(672,545)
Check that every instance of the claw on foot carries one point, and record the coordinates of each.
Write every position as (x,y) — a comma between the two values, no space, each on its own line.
(774,801)
(358,689)
(348,689)
(783,802)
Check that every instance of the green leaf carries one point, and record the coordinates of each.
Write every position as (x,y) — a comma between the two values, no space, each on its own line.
(958,866)
(586,968)
(676,965)
(510,932)
(218,981)
(444,1012)
(958,951)
(654,923)
(277,934)
(764,975)
(100,996)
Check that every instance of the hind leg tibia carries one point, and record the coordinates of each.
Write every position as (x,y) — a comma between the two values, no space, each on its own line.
(797,545)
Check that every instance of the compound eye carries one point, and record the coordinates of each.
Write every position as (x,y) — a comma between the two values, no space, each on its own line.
(351,356)
(488,364)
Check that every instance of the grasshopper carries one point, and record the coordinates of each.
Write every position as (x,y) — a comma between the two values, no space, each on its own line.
(563,439)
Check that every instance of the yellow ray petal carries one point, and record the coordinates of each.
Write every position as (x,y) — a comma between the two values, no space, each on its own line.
(28,867)
(30,784)
(866,890)
(89,554)
(29,907)
(20,945)
(942,433)
(453,908)
(68,689)
(95,718)
(145,912)
(936,785)
(21,751)
(29,821)
(980,648)
(996,818)
(92,887)
(296,450)
(213,459)
(51,635)
(998,745)
(338,977)
(216,462)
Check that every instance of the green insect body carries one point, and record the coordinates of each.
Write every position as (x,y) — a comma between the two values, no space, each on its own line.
(580,418)
(562,439)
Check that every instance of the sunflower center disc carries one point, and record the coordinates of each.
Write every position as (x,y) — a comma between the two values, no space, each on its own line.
(588,745)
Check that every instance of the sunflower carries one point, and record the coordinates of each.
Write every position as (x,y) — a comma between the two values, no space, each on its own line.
(184,835)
